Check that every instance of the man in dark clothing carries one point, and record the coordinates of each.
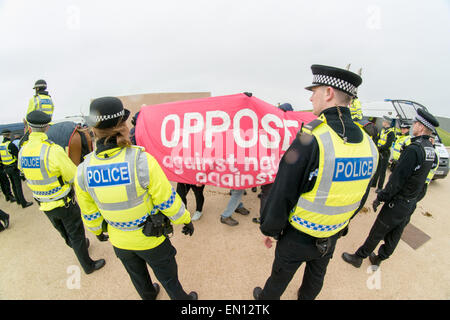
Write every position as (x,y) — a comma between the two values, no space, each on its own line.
(306,167)
(385,141)
(4,184)
(9,154)
(405,187)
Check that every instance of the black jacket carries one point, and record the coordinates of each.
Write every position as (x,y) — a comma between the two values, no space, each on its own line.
(295,172)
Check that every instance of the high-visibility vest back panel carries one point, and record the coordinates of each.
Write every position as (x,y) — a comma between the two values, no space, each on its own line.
(114,185)
(45,185)
(383,136)
(6,157)
(345,170)
(43,103)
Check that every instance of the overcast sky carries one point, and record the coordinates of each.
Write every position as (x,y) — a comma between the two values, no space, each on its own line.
(88,49)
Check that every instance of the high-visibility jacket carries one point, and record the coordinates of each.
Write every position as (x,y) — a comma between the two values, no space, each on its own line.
(401,142)
(383,136)
(433,170)
(48,170)
(344,172)
(6,157)
(355,110)
(41,102)
(123,189)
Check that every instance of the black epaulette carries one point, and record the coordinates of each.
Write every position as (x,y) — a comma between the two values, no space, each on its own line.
(309,127)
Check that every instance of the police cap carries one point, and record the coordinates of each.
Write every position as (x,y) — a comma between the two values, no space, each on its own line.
(38,119)
(337,78)
(405,125)
(40,84)
(427,119)
(107,112)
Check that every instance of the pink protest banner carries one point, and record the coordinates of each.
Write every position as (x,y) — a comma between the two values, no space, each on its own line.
(232,141)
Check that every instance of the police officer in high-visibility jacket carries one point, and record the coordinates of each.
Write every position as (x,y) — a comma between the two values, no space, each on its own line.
(355,109)
(385,141)
(122,189)
(50,174)
(320,184)
(406,186)
(402,141)
(8,157)
(41,100)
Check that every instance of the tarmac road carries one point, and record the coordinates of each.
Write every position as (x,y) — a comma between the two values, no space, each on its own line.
(222,262)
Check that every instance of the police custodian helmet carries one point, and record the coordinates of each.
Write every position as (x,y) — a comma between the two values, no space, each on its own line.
(337,78)
(107,112)
(40,84)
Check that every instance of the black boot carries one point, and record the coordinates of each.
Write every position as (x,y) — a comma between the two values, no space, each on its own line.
(375,260)
(257,293)
(353,259)
(27,204)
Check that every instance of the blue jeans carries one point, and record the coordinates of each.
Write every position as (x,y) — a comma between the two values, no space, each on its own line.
(234,203)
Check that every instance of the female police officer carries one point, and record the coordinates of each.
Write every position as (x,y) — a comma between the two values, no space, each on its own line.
(122,189)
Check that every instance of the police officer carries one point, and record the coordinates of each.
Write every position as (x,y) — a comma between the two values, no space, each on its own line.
(355,109)
(402,140)
(50,173)
(8,155)
(41,100)
(385,140)
(404,188)
(122,189)
(319,186)
(5,185)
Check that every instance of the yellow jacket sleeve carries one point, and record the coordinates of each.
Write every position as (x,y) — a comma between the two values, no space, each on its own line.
(60,162)
(90,214)
(163,195)
(31,106)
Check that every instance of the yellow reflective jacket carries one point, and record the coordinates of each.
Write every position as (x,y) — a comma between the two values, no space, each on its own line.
(48,170)
(344,172)
(123,189)
(433,170)
(41,102)
(400,143)
(5,156)
(383,136)
(355,110)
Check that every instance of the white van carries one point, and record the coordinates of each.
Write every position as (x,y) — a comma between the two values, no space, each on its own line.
(405,110)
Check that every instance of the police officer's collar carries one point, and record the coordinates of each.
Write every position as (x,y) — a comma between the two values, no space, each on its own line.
(101,146)
(334,111)
(42,92)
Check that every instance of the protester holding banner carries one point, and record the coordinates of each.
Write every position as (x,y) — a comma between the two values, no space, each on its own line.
(234,205)
(122,190)
(183,189)
(321,181)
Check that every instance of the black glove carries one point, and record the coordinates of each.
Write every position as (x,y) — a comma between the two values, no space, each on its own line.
(103,237)
(188,229)
(375,204)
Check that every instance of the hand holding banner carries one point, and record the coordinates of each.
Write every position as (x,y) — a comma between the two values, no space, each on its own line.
(233,141)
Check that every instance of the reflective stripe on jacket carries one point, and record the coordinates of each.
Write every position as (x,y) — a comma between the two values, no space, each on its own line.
(48,170)
(400,143)
(383,136)
(345,170)
(41,102)
(6,157)
(123,189)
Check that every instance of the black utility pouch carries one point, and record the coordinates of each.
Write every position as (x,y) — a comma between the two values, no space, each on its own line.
(323,245)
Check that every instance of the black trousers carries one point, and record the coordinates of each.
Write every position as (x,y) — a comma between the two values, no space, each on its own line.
(69,224)
(14,176)
(292,250)
(4,183)
(183,189)
(389,226)
(380,174)
(162,261)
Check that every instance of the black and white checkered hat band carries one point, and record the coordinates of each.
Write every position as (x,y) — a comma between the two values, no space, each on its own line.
(340,84)
(35,125)
(109,116)
(423,121)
